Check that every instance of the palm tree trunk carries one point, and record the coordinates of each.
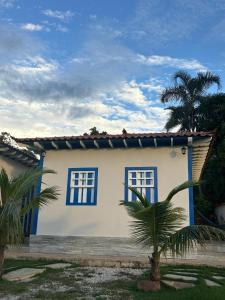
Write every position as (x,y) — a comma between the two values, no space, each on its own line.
(155,268)
(2,257)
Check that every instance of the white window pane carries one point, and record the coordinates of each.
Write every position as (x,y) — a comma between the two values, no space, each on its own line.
(141,180)
(129,195)
(152,195)
(72,195)
(84,200)
(83,183)
(92,195)
(143,191)
(80,195)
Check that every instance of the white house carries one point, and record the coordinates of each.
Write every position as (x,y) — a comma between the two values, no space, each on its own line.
(94,172)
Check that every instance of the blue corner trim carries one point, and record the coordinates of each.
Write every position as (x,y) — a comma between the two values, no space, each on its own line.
(38,190)
(76,203)
(141,168)
(191,197)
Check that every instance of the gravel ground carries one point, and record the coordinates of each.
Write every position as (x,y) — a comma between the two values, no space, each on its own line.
(86,282)
(101,283)
(99,275)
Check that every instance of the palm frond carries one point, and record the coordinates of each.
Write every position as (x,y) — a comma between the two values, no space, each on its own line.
(135,206)
(20,185)
(188,91)
(44,198)
(177,93)
(207,79)
(153,225)
(145,202)
(187,238)
(178,116)
(4,186)
(13,190)
(181,187)
(10,224)
(182,76)
(132,207)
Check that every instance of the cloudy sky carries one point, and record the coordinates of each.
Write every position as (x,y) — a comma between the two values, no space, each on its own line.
(66,66)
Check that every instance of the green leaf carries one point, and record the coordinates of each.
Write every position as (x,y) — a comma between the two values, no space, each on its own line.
(45,197)
(187,238)
(181,187)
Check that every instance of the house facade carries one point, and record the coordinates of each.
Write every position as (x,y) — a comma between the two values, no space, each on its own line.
(15,160)
(94,172)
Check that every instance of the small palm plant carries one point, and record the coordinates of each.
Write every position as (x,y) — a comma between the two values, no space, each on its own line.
(158,226)
(12,192)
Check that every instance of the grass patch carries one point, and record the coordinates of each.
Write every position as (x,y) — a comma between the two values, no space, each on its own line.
(13,264)
(199,292)
(76,282)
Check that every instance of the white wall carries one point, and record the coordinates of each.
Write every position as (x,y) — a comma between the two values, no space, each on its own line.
(12,167)
(107,218)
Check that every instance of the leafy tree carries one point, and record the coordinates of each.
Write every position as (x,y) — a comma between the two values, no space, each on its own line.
(12,192)
(157,226)
(95,131)
(211,113)
(211,117)
(187,92)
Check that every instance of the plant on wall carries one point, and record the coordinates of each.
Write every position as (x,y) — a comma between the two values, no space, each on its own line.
(158,226)
(12,192)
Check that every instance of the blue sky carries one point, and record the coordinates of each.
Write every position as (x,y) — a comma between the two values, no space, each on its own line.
(67,66)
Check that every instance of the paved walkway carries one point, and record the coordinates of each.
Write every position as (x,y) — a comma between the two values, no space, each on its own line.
(100,251)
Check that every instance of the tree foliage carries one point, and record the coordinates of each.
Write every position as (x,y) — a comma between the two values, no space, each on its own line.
(196,109)
(95,131)
(187,93)
(211,117)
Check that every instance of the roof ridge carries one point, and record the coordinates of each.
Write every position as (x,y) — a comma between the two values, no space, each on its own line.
(127,135)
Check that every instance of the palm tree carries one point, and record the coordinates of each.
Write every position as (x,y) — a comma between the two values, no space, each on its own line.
(158,226)
(12,192)
(187,92)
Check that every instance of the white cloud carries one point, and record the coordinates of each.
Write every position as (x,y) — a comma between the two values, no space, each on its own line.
(44,119)
(17,44)
(151,85)
(60,15)
(35,91)
(167,61)
(79,60)
(32,27)
(130,93)
(97,89)
(7,3)
(93,17)
(34,66)
(61,28)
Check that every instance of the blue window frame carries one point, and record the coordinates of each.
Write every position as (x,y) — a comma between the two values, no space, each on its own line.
(144,179)
(82,186)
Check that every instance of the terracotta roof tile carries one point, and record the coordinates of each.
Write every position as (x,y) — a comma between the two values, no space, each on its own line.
(117,136)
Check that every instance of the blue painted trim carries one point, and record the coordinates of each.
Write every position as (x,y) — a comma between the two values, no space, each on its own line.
(38,190)
(95,188)
(132,142)
(141,168)
(191,197)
